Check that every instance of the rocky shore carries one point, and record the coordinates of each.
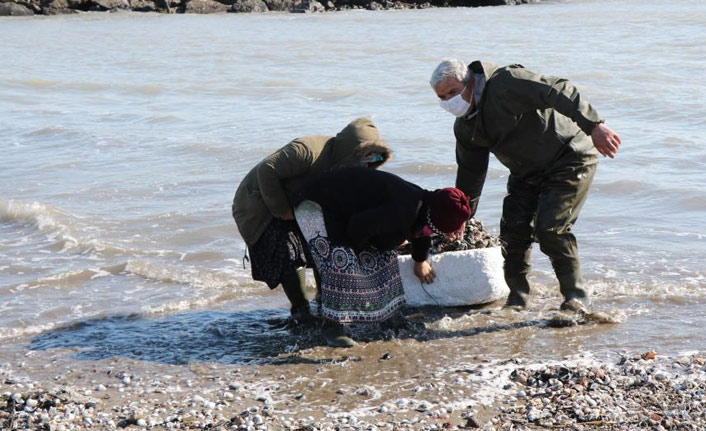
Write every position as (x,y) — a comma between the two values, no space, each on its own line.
(55,7)
(636,392)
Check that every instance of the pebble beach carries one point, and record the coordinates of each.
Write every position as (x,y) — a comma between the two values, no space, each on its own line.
(306,389)
(125,298)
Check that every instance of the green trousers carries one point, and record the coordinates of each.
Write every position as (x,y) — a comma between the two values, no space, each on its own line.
(543,210)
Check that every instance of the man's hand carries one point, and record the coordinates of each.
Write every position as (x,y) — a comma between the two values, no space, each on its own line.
(605,140)
(424,271)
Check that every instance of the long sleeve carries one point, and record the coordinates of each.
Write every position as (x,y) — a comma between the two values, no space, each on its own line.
(292,160)
(420,248)
(524,91)
(472,164)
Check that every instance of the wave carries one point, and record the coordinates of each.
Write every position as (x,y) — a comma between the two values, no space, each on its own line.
(53,221)
(75,317)
(91,87)
(194,277)
(70,278)
(53,316)
(185,305)
(692,202)
(20,329)
(34,82)
(59,226)
(64,231)
(158,119)
(54,131)
(24,331)
(610,285)
(153,271)
(332,95)
(661,291)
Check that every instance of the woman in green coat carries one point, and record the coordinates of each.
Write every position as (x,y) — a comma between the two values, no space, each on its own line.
(262,205)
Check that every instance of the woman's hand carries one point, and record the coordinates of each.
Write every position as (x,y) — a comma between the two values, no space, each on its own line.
(424,271)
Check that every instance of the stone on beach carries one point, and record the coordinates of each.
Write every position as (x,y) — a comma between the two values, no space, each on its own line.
(14,9)
(204,6)
(280,5)
(308,6)
(554,396)
(105,5)
(246,6)
(56,7)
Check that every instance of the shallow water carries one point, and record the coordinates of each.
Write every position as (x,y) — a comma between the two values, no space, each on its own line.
(125,136)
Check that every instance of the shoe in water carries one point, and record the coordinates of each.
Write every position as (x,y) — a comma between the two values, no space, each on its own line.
(301,316)
(335,335)
(575,305)
(516,301)
(401,322)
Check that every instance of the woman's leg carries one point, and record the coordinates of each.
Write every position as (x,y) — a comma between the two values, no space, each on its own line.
(293,287)
(311,224)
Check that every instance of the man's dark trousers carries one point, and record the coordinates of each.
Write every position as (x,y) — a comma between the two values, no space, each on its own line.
(543,209)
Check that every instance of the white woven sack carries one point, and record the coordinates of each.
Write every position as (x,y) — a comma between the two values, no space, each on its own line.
(464,277)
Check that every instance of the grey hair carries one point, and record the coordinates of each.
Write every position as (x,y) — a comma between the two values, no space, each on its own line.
(450,67)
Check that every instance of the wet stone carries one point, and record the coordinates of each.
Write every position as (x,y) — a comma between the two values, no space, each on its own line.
(475,236)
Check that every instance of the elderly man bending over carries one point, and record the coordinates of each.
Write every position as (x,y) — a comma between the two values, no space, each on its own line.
(539,128)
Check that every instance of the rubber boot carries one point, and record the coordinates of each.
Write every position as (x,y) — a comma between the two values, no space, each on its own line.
(293,287)
(519,292)
(317,299)
(335,335)
(399,321)
(576,298)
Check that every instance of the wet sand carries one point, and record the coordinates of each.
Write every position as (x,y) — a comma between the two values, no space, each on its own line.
(405,380)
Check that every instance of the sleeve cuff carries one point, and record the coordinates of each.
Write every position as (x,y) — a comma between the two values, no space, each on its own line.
(420,248)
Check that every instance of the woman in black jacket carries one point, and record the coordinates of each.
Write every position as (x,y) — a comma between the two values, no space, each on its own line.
(353,219)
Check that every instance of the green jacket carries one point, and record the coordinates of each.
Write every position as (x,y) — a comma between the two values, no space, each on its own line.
(531,123)
(266,190)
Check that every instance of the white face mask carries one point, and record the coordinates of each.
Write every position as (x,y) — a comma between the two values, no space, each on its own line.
(456,105)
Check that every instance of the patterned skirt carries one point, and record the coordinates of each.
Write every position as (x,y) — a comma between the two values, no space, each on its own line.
(363,287)
(277,253)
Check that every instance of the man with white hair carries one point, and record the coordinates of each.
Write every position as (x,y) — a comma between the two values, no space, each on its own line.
(549,138)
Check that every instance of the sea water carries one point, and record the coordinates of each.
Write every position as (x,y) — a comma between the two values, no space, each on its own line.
(124,137)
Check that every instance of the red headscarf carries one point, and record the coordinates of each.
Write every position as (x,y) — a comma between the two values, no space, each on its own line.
(449,209)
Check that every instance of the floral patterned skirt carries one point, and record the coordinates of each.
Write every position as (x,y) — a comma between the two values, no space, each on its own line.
(277,253)
(363,287)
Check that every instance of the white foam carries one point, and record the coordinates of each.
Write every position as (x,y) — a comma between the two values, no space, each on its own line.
(189,276)
(658,289)
(489,381)
(44,217)
(68,278)
(59,226)
(177,306)
(26,330)
(99,273)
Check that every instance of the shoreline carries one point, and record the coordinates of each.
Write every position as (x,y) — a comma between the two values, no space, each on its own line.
(61,7)
(362,388)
